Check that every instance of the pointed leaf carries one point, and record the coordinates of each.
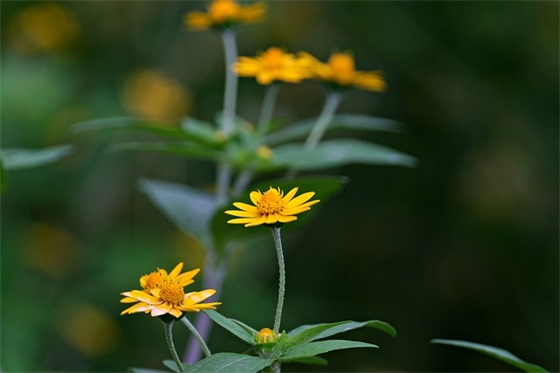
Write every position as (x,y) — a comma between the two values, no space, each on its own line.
(185,149)
(307,333)
(27,158)
(190,209)
(301,129)
(227,362)
(334,153)
(131,123)
(237,328)
(321,347)
(495,352)
(172,365)
(314,360)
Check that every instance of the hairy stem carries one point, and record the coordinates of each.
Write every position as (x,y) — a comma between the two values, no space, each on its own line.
(282,280)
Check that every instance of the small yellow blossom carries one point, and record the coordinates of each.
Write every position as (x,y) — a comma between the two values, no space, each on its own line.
(340,70)
(222,13)
(271,207)
(265,336)
(163,293)
(272,65)
(264,152)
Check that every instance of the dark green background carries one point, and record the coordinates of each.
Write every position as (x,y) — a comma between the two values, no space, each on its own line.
(465,246)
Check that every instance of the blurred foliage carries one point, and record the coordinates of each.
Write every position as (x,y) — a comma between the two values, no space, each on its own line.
(465,246)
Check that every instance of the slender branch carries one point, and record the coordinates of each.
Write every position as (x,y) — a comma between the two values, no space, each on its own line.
(282,281)
(225,172)
(168,327)
(267,109)
(198,337)
(331,104)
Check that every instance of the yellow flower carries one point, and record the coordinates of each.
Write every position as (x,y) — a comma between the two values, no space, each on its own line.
(271,65)
(340,70)
(163,293)
(271,207)
(222,13)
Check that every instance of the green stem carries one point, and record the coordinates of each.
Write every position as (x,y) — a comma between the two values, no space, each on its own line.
(225,172)
(282,281)
(197,335)
(168,327)
(331,104)
(267,108)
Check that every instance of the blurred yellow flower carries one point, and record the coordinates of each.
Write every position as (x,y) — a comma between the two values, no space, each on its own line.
(46,27)
(272,65)
(163,293)
(264,152)
(271,207)
(153,95)
(223,13)
(340,71)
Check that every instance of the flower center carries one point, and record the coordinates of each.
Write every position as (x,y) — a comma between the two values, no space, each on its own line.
(223,10)
(270,203)
(171,293)
(342,66)
(273,60)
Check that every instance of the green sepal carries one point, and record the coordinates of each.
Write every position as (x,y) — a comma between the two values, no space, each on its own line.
(495,352)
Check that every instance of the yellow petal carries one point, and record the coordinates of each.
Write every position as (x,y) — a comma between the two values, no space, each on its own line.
(142,296)
(288,197)
(161,309)
(244,206)
(255,198)
(186,278)
(241,220)
(243,214)
(299,200)
(175,272)
(286,219)
(175,312)
(140,307)
(255,222)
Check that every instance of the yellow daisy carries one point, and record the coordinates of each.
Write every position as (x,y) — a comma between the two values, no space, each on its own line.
(222,13)
(272,65)
(271,207)
(340,70)
(163,293)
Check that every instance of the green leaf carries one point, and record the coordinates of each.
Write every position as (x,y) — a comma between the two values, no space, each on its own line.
(228,362)
(324,188)
(184,149)
(314,360)
(301,129)
(171,364)
(495,352)
(130,123)
(334,153)
(190,209)
(237,328)
(307,333)
(145,370)
(27,158)
(202,132)
(321,347)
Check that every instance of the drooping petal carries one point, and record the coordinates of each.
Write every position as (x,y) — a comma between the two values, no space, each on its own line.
(161,309)
(286,219)
(139,307)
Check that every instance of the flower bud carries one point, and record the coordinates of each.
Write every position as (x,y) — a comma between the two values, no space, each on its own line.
(265,336)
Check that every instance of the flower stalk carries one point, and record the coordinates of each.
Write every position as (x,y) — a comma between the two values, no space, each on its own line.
(196,335)
(268,108)
(282,279)
(230,101)
(168,328)
(331,105)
